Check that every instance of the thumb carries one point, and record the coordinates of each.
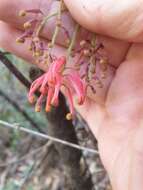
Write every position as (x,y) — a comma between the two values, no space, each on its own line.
(118,19)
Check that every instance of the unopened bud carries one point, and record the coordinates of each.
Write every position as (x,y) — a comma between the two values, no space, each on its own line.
(103,61)
(37,108)
(46,62)
(93,70)
(20,40)
(46,55)
(31,99)
(86,52)
(37,53)
(48,108)
(22,13)
(27,25)
(30,48)
(82,43)
(50,45)
(69,116)
(104,64)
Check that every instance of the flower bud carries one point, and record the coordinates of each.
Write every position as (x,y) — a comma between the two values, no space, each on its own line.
(20,40)
(30,48)
(50,45)
(86,52)
(37,108)
(37,53)
(27,25)
(82,43)
(31,99)
(48,108)
(69,116)
(93,69)
(103,61)
(22,13)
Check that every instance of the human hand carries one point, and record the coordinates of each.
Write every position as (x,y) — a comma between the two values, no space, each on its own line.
(115,113)
(117,123)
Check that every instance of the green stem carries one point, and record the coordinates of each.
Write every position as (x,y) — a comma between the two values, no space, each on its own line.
(42,24)
(57,29)
(93,40)
(69,51)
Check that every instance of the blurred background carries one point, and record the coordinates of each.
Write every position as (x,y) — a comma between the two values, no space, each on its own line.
(33,163)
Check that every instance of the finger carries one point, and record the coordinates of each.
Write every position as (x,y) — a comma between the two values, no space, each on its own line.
(7,41)
(124,108)
(47,7)
(93,114)
(125,100)
(9,10)
(112,46)
(119,19)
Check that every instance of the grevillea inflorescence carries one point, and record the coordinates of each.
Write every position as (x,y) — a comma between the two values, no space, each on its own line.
(86,51)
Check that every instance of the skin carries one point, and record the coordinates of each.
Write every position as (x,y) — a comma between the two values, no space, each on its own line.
(115,114)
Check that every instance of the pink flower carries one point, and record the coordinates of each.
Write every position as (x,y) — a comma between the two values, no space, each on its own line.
(50,83)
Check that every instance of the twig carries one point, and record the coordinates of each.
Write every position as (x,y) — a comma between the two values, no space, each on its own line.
(64,129)
(14,70)
(28,175)
(72,43)
(18,108)
(42,24)
(99,171)
(34,133)
(33,152)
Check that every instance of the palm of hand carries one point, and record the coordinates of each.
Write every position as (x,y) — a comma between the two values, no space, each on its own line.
(117,123)
(117,120)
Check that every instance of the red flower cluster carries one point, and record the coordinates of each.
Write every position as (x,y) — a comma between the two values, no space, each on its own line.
(90,60)
(50,83)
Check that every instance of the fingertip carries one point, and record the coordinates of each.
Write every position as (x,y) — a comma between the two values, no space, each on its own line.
(8,41)
(8,38)
(9,10)
(86,13)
